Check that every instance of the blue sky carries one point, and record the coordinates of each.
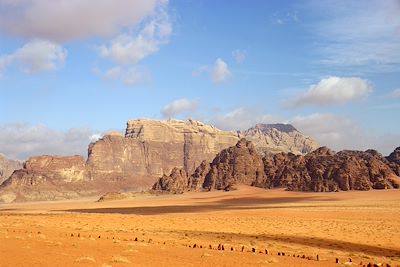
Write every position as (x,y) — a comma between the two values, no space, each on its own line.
(73,70)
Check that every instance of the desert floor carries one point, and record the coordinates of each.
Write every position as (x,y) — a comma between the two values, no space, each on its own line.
(363,226)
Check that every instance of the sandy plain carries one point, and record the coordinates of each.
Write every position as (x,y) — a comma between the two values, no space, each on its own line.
(178,230)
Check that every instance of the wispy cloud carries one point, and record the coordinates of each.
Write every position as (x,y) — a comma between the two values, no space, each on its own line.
(129,49)
(239,55)
(20,140)
(35,56)
(179,106)
(242,118)
(395,93)
(280,18)
(359,34)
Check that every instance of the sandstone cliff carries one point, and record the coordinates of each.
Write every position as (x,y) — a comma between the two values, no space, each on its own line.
(275,138)
(7,167)
(322,170)
(148,150)
(153,148)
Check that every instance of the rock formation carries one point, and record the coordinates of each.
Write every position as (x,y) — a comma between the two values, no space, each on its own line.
(153,148)
(239,164)
(275,138)
(7,167)
(176,182)
(322,170)
(394,160)
(56,169)
(150,149)
(116,162)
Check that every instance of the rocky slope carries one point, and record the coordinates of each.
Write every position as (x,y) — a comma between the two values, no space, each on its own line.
(134,161)
(275,138)
(321,171)
(7,167)
(119,162)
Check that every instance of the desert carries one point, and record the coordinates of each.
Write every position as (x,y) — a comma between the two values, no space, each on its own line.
(199,133)
(355,227)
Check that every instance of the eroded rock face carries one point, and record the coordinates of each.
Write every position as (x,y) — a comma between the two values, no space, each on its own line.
(239,164)
(153,148)
(7,167)
(394,160)
(325,171)
(322,170)
(176,182)
(37,170)
(275,138)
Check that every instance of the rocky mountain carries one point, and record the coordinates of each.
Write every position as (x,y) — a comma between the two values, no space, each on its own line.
(123,162)
(275,138)
(322,170)
(7,167)
(135,160)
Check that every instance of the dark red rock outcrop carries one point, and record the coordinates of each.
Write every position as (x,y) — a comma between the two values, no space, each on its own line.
(176,182)
(394,160)
(239,164)
(322,170)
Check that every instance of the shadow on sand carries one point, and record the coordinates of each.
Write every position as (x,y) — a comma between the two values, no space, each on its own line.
(247,203)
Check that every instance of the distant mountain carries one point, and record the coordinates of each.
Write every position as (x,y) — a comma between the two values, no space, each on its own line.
(134,161)
(275,138)
(7,167)
(321,171)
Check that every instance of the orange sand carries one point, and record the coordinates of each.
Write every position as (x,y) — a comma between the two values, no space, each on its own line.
(363,226)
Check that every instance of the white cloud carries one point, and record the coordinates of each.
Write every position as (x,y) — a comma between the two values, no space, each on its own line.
(340,133)
(359,34)
(242,119)
(395,93)
(20,141)
(36,56)
(129,76)
(178,107)
(333,90)
(65,20)
(128,49)
(220,71)
(132,48)
(239,55)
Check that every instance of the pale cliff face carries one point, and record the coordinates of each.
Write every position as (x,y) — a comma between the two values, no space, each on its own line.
(154,148)
(7,167)
(275,138)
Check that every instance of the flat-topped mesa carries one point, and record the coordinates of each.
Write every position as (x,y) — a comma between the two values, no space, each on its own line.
(279,137)
(152,148)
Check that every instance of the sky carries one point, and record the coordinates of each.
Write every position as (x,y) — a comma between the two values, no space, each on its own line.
(72,70)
